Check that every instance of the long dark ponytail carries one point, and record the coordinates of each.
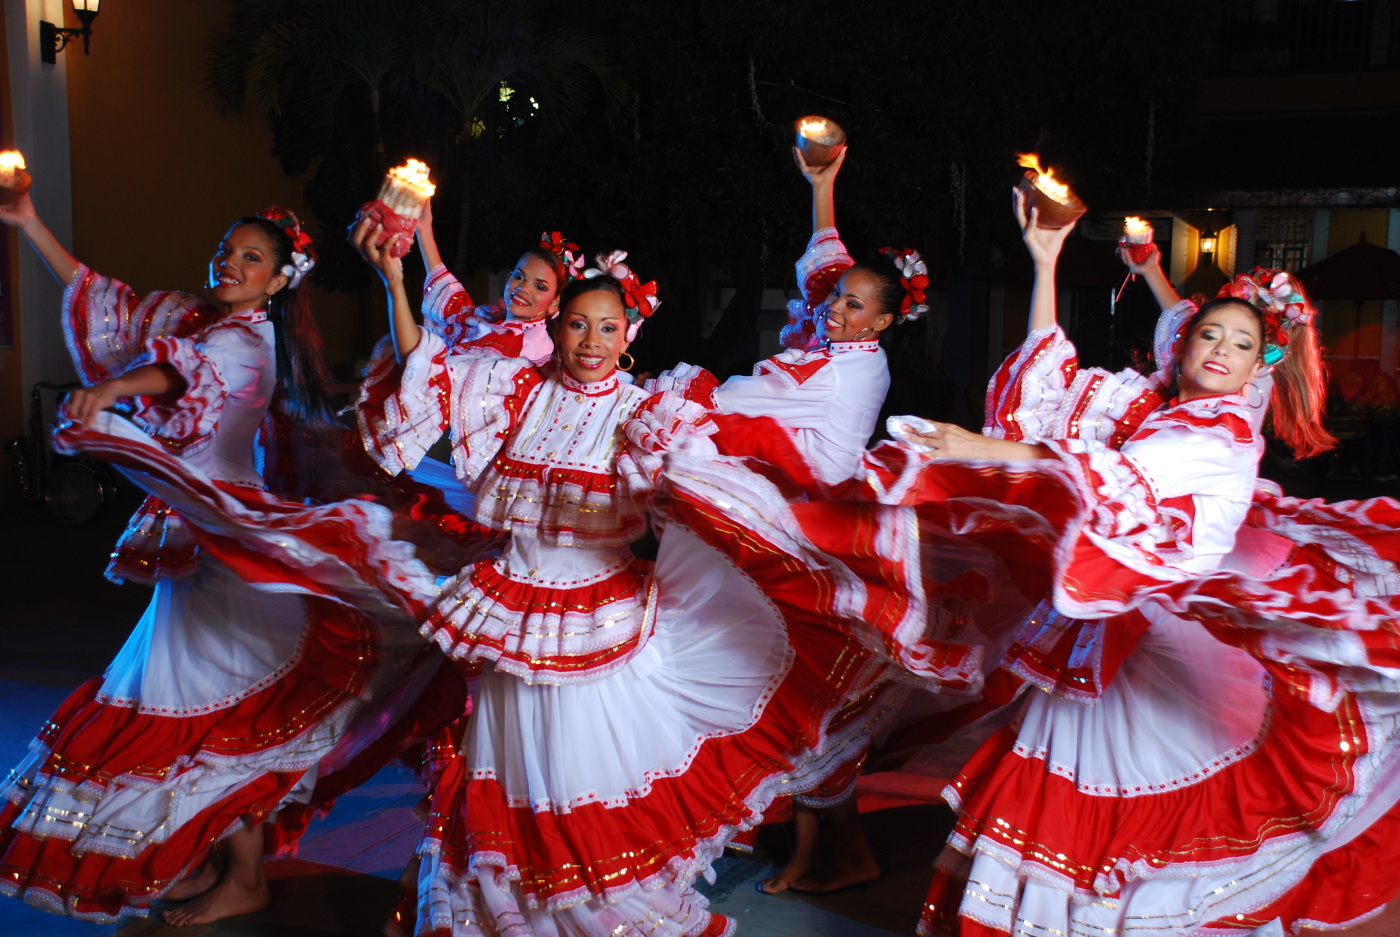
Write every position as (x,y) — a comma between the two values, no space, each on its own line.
(302,376)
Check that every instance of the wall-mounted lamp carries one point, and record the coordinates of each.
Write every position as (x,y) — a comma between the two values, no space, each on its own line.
(53,38)
(1209,239)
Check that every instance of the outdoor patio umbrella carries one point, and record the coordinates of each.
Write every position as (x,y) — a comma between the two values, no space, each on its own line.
(1359,273)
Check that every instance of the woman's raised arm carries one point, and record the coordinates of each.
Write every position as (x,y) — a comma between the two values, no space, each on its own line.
(1151,272)
(427,241)
(21,214)
(823,182)
(402,326)
(1044,245)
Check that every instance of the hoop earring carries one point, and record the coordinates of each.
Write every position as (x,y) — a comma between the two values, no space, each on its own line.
(1260,393)
(870,329)
(630,361)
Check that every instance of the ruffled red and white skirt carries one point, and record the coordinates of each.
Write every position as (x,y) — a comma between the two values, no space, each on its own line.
(269,671)
(1223,757)
(1200,791)
(587,802)
(1221,753)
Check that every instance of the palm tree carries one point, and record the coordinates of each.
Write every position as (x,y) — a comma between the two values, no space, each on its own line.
(524,69)
(350,85)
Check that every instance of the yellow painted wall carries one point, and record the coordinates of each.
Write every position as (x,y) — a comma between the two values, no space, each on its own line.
(1207,273)
(158,172)
(1345,226)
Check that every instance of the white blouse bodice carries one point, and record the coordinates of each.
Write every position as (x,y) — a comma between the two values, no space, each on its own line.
(249,369)
(830,396)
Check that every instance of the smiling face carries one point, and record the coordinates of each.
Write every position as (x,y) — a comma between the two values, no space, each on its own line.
(592,334)
(1221,354)
(243,272)
(532,289)
(853,310)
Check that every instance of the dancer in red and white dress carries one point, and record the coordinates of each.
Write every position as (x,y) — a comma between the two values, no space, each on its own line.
(515,326)
(627,720)
(828,386)
(1209,738)
(823,394)
(1208,735)
(228,700)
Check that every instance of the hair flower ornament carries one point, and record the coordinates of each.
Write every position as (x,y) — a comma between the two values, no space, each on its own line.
(913,276)
(303,257)
(567,251)
(640,298)
(611,265)
(1281,304)
(573,265)
(555,243)
(297,270)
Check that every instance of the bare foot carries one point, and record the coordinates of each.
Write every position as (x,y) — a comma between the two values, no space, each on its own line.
(806,822)
(193,886)
(231,897)
(840,873)
(788,877)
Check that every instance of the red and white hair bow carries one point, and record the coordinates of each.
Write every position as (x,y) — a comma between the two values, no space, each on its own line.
(610,264)
(1280,301)
(913,276)
(303,257)
(640,298)
(567,251)
(554,242)
(573,265)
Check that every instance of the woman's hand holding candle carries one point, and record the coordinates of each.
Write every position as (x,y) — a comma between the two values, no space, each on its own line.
(401,201)
(14,181)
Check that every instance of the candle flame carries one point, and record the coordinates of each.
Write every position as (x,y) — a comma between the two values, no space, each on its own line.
(1135,226)
(1045,179)
(812,126)
(1029,161)
(414,174)
(11,160)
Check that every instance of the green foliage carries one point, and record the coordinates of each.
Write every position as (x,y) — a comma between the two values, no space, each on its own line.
(351,87)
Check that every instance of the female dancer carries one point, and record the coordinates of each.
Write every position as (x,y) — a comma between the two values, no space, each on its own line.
(1209,740)
(226,699)
(513,327)
(829,385)
(825,393)
(1200,760)
(627,721)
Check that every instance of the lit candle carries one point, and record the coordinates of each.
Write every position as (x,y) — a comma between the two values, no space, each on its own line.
(11,165)
(1057,205)
(1137,238)
(406,189)
(1044,179)
(399,205)
(819,139)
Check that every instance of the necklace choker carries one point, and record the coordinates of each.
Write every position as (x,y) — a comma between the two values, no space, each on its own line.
(861,344)
(598,388)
